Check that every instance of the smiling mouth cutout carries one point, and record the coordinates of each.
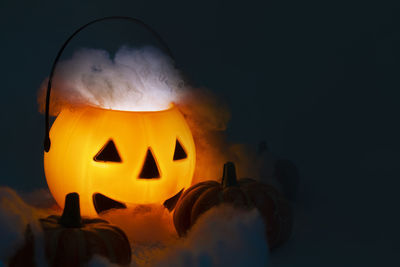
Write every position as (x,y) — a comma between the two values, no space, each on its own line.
(103,203)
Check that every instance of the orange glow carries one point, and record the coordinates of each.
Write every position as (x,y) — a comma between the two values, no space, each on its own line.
(78,136)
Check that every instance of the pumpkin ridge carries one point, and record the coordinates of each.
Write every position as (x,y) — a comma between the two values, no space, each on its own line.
(208,199)
(95,243)
(285,224)
(121,235)
(88,245)
(86,221)
(53,242)
(81,247)
(194,187)
(63,240)
(269,194)
(108,239)
(249,201)
(230,195)
(181,216)
(102,233)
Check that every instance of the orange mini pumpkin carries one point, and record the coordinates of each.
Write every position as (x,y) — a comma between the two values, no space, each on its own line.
(72,241)
(242,193)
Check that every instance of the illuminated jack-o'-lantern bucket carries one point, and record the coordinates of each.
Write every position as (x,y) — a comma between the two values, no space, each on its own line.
(115,158)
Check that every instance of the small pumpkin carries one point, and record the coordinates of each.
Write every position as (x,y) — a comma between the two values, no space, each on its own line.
(72,241)
(243,193)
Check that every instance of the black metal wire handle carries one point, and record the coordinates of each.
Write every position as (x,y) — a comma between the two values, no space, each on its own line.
(166,49)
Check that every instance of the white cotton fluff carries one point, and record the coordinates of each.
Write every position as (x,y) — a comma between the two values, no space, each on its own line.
(223,236)
(141,79)
(15,215)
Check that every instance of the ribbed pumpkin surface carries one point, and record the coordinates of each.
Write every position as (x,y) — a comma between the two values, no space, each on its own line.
(72,241)
(76,246)
(243,193)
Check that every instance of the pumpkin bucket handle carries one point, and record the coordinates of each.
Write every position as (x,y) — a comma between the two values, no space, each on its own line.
(166,49)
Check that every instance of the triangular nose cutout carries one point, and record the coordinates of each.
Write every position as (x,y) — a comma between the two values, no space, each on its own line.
(150,169)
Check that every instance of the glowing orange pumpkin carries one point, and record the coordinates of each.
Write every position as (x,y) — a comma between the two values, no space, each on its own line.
(117,158)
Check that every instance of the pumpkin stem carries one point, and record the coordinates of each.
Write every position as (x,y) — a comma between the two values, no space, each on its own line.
(229,175)
(71,216)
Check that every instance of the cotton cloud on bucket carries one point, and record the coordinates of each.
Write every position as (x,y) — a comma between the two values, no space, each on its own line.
(142,79)
(132,80)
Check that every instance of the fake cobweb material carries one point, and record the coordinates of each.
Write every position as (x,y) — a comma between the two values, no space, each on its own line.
(222,237)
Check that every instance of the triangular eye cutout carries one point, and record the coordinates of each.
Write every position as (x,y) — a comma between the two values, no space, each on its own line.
(108,153)
(179,153)
(150,169)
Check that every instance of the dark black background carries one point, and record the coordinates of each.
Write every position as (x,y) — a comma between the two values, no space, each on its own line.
(319,80)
